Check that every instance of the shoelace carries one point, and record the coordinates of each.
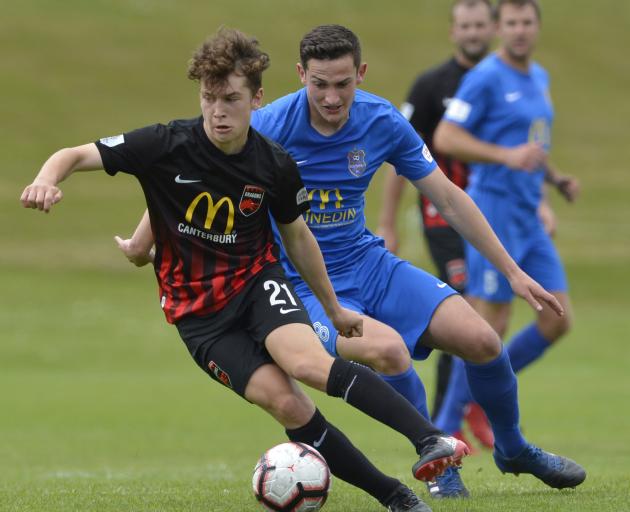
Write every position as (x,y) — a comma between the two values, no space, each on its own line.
(552,462)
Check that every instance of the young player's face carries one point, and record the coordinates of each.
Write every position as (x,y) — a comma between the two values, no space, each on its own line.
(227,111)
(330,88)
(472,31)
(518,29)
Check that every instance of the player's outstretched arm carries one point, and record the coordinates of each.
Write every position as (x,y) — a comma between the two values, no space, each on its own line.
(460,211)
(139,248)
(303,251)
(43,193)
(393,188)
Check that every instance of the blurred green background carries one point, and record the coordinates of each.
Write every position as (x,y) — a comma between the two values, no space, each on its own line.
(100,406)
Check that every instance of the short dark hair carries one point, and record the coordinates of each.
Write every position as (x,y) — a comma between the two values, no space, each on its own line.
(228,51)
(471,3)
(329,42)
(517,3)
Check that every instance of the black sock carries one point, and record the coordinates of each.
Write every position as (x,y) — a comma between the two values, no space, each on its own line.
(344,459)
(363,389)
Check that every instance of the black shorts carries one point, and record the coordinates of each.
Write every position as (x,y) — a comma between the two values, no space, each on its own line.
(229,345)
(447,251)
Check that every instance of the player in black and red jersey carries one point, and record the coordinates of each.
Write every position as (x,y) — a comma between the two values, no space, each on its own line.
(210,184)
(471,31)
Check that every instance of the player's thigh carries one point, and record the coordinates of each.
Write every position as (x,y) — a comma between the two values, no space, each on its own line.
(406,301)
(457,329)
(295,348)
(273,390)
(380,347)
(229,357)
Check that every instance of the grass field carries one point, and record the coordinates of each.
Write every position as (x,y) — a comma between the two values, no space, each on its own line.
(101,408)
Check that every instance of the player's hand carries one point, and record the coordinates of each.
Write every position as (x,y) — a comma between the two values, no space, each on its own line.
(525,287)
(568,186)
(388,234)
(347,322)
(526,157)
(41,196)
(132,252)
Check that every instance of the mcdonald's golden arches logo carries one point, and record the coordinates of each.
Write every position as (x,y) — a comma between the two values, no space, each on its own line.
(213,208)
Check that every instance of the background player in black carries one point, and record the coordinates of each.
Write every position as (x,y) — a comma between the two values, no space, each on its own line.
(219,278)
(471,31)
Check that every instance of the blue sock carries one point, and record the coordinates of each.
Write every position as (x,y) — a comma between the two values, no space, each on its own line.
(457,395)
(494,388)
(409,385)
(526,346)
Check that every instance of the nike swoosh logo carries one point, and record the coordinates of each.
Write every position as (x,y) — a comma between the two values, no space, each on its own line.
(319,442)
(511,97)
(179,179)
(301,162)
(285,311)
(441,285)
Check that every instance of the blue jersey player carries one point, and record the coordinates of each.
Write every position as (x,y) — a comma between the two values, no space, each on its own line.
(339,137)
(500,121)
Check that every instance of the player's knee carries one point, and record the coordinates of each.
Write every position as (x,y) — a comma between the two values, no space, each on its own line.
(391,357)
(312,372)
(485,345)
(290,408)
(557,327)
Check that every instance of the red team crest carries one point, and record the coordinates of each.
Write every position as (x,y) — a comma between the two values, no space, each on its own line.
(251,200)
(356,162)
(221,376)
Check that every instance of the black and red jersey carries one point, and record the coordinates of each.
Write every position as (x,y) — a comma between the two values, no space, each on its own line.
(424,108)
(209,211)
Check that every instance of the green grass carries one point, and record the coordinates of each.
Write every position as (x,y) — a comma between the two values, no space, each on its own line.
(102,408)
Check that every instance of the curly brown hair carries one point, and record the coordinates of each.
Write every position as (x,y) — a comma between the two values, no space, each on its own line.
(228,51)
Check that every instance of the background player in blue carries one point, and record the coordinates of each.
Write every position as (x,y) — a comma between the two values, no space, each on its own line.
(339,136)
(471,31)
(218,270)
(501,121)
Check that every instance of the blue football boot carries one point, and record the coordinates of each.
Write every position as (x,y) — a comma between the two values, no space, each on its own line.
(449,485)
(556,471)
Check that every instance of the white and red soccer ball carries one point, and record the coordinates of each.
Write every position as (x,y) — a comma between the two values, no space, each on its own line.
(291,477)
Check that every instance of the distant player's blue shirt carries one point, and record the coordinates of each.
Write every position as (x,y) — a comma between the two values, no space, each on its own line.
(337,169)
(501,105)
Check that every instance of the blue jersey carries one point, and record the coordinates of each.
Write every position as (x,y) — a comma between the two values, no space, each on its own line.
(337,169)
(502,105)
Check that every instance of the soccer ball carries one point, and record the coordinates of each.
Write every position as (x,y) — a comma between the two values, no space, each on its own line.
(291,477)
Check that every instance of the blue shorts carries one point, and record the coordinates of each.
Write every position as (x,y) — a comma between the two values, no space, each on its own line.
(525,240)
(386,288)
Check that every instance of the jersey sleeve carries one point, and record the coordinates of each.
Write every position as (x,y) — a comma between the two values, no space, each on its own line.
(416,106)
(410,155)
(289,200)
(471,101)
(133,152)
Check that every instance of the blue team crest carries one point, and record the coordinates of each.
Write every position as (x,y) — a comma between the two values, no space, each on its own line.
(356,162)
